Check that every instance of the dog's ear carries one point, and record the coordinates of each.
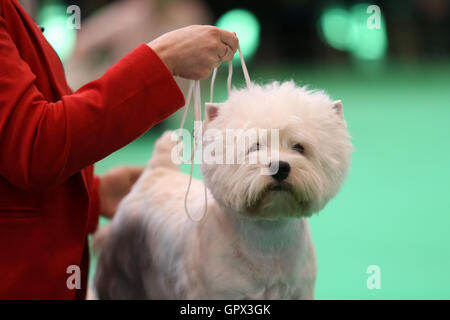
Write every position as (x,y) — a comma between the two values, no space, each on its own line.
(212,110)
(337,107)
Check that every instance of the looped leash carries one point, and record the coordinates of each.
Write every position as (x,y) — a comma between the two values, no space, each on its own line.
(194,90)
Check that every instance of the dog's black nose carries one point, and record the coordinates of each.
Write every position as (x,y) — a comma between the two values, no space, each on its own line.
(283,170)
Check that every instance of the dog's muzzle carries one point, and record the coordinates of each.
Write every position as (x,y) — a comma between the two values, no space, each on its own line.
(283,171)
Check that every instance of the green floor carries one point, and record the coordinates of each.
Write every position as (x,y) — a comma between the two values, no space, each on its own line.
(394,209)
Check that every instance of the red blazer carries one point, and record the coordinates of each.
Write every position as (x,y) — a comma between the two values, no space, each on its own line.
(49,140)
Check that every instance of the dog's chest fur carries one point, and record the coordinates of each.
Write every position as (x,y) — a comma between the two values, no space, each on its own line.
(233,268)
(229,258)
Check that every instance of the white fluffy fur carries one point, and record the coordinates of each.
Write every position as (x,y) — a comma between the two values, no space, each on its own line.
(254,243)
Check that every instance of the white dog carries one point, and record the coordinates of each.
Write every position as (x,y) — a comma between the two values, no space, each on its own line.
(254,242)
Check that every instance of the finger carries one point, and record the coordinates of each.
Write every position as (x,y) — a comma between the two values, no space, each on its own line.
(203,74)
(217,64)
(229,54)
(229,39)
(221,51)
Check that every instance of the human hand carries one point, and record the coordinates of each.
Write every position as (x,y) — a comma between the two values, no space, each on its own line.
(192,52)
(114,185)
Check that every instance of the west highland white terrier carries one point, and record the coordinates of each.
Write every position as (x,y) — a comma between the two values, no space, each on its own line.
(254,242)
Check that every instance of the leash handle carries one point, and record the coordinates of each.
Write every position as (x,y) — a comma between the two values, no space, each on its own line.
(194,90)
(230,75)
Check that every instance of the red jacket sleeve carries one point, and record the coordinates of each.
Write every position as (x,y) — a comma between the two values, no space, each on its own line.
(94,205)
(42,143)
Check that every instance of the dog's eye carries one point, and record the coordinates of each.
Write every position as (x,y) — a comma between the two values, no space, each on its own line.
(299,148)
(254,147)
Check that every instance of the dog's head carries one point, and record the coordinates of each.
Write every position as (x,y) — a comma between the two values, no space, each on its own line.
(293,176)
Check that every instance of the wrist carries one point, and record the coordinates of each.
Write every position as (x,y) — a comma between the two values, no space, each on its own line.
(163,53)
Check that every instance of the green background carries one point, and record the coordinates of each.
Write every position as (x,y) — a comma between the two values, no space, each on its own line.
(393,210)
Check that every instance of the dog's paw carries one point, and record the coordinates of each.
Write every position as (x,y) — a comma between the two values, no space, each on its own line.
(166,142)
